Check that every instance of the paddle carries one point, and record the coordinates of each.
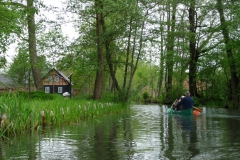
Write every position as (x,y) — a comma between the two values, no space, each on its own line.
(198,109)
(173,104)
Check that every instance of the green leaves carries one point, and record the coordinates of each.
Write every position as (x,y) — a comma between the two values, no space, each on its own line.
(9,24)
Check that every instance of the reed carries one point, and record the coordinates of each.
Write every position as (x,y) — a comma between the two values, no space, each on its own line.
(21,115)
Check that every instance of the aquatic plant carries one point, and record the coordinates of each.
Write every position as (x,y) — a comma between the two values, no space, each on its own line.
(20,115)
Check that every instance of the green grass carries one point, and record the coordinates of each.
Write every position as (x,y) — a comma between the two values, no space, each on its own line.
(19,115)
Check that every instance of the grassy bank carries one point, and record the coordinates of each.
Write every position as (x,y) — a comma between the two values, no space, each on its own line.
(20,115)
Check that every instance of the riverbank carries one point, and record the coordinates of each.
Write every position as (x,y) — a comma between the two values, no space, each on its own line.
(19,115)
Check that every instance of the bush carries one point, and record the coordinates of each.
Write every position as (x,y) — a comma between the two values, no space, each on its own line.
(196,101)
(41,95)
(32,95)
(120,97)
(145,96)
(22,94)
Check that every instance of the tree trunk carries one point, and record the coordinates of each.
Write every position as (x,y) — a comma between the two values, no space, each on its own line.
(193,50)
(127,56)
(111,68)
(170,52)
(162,59)
(134,66)
(32,46)
(109,59)
(100,57)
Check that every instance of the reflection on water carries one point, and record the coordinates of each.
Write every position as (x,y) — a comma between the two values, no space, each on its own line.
(146,132)
(183,129)
(62,148)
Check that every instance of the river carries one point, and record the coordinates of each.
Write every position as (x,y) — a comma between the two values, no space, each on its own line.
(145,132)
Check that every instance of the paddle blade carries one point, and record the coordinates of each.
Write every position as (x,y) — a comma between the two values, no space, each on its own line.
(196,112)
(198,109)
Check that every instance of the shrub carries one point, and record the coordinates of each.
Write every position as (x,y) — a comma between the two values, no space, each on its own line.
(145,96)
(41,95)
(32,95)
(196,101)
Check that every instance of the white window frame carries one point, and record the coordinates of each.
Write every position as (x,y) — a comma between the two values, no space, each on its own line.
(49,78)
(56,78)
(60,89)
(47,89)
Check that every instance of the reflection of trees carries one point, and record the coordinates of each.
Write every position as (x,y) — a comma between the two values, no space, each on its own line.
(148,132)
(226,132)
(128,137)
(31,148)
(19,147)
(181,137)
(167,137)
(105,139)
(231,125)
(107,136)
(99,142)
(189,136)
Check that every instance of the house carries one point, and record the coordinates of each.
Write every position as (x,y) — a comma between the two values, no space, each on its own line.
(56,82)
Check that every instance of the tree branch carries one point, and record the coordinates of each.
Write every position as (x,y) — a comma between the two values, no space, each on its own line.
(14,4)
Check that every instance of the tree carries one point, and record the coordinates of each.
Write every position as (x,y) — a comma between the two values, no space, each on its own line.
(9,24)
(111,26)
(20,68)
(32,45)
(30,11)
(234,80)
(100,61)
(170,48)
(126,33)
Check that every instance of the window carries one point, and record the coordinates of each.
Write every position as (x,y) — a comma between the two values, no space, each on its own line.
(50,79)
(56,78)
(60,89)
(47,89)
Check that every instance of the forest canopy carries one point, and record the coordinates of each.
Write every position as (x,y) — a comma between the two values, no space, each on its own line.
(129,48)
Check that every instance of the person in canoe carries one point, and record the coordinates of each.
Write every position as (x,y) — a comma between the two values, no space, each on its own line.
(176,104)
(186,102)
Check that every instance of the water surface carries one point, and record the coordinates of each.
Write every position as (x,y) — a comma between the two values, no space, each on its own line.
(146,132)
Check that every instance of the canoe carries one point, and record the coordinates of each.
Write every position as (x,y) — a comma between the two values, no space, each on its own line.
(196,112)
(183,112)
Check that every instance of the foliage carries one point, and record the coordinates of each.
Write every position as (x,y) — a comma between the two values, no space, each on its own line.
(20,69)
(39,95)
(55,43)
(162,98)
(196,101)
(137,35)
(9,24)
(145,96)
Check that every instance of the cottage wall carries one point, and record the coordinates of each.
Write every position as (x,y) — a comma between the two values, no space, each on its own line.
(54,74)
(56,83)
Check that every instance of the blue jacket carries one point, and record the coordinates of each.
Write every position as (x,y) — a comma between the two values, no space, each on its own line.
(186,102)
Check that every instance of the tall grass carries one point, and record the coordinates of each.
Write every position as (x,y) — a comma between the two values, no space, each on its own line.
(20,115)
